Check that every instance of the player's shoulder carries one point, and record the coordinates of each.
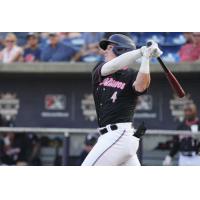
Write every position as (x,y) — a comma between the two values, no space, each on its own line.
(97,65)
(96,72)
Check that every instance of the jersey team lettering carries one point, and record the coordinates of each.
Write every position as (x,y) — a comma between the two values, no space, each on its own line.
(110,82)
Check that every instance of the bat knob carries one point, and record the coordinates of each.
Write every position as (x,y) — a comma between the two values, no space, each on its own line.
(149,44)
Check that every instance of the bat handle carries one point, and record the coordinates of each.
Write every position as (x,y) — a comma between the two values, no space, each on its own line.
(162,64)
(159,59)
(149,44)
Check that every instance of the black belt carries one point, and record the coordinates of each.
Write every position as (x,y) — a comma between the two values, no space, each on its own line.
(113,127)
(139,133)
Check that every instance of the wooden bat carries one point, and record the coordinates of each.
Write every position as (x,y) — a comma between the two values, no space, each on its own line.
(170,76)
(172,79)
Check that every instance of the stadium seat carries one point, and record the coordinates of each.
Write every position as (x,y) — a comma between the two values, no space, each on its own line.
(135,36)
(156,36)
(171,58)
(170,53)
(170,49)
(174,38)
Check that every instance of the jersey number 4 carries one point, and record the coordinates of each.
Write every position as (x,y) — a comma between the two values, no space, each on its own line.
(114,97)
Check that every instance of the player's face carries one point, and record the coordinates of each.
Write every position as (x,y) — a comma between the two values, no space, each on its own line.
(108,53)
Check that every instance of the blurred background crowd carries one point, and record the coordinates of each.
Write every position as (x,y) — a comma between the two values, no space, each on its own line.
(83,47)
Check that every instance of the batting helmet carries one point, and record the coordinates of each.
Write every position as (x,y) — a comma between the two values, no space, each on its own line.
(122,44)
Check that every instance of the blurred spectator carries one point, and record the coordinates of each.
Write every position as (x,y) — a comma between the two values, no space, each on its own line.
(90,52)
(90,141)
(11,53)
(108,34)
(2,121)
(191,50)
(66,46)
(19,149)
(6,121)
(188,146)
(32,51)
(43,39)
(35,147)
(58,145)
(188,37)
(73,39)
(21,38)
(92,38)
(55,51)
(1,150)
(2,38)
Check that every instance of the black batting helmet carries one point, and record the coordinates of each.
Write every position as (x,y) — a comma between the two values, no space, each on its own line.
(122,44)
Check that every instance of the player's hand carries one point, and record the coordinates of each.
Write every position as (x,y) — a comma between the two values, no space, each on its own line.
(145,52)
(167,161)
(151,51)
(154,48)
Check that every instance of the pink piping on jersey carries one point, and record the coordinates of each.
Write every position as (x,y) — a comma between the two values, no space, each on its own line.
(110,82)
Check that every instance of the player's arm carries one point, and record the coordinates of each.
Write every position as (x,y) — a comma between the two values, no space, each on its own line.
(143,79)
(120,62)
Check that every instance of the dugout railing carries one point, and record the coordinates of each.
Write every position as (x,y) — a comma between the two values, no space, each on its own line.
(68,132)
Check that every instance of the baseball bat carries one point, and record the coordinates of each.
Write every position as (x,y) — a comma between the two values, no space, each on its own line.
(170,77)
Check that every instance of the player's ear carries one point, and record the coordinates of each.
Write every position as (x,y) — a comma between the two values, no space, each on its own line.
(109,47)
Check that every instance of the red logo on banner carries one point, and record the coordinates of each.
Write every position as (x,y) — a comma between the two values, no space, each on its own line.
(55,102)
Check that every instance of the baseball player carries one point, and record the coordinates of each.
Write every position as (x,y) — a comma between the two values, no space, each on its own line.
(187,145)
(116,88)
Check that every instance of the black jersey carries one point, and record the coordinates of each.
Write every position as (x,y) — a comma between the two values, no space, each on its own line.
(185,144)
(114,95)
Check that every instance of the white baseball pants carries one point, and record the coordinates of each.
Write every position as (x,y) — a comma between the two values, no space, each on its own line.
(115,148)
(189,161)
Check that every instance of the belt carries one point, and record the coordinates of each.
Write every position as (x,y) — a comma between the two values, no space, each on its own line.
(113,127)
(139,133)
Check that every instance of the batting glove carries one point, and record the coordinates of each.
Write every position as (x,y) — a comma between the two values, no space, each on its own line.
(154,49)
(145,52)
(151,51)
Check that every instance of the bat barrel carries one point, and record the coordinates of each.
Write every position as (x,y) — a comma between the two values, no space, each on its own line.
(172,80)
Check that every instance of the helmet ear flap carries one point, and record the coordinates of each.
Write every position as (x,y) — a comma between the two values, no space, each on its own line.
(115,51)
